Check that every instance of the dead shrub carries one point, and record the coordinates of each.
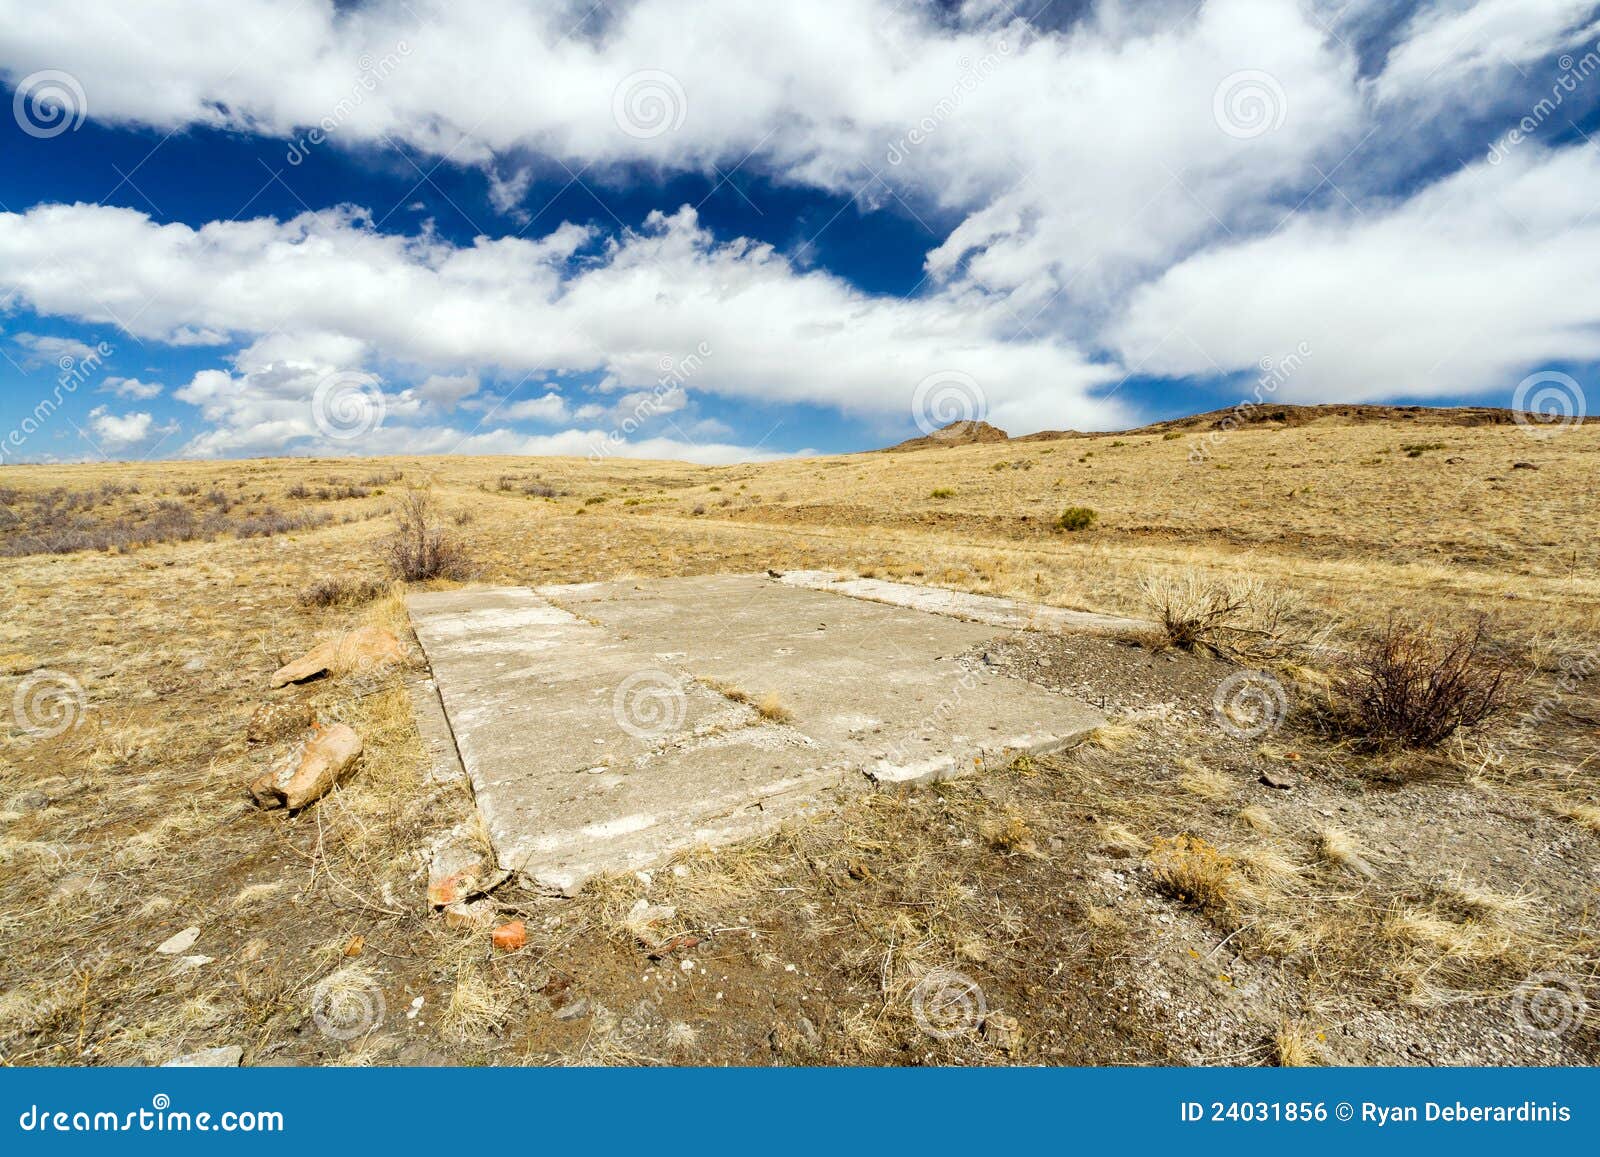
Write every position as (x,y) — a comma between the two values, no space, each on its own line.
(1413,687)
(421,548)
(1195,611)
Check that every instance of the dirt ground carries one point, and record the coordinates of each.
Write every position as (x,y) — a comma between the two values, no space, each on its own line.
(1371,908)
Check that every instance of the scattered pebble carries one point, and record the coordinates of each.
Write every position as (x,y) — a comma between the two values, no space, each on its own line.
(573,1011)
(222,1057)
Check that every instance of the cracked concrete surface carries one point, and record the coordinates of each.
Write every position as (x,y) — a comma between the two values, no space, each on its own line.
(605,726)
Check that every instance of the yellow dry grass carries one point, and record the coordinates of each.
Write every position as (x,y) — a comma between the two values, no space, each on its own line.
(170,643)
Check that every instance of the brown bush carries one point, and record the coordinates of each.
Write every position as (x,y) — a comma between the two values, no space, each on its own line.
(1412,687)
(341,592)
(421,548)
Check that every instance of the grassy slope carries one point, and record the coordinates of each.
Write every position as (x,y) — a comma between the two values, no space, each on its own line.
(146,832)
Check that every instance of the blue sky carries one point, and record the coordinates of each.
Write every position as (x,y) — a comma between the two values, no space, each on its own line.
(720,231)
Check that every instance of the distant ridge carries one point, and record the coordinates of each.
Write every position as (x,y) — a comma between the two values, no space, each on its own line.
(965,433)
(1271,414)
(1257,414)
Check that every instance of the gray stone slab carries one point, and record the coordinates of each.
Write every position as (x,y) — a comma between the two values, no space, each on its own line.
(596,724)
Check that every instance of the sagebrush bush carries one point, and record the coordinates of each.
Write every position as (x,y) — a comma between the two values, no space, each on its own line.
(1077,518)
(420,548)
(1411,686)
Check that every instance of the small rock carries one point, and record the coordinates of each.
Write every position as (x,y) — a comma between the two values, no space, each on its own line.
(222,1057)
(196,961)
(310,769)
(275,720)
(510,937)
(643,914)
(416,1007)
(809,1032)
(363,650)
(1002,1031)
(1523,466)
(197,663)
(578,1008)
(179,942)
(1278,780)
(1454,461)
(469,914)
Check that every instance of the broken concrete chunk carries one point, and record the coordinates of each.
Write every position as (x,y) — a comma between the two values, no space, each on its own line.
(308,770)
(275,720)
(223,1057)
(365,649)
(460,871)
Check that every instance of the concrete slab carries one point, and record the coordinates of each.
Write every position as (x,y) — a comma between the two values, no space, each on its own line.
(606,725)
(992,609)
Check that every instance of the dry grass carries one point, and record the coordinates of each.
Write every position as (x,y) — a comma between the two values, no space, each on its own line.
(1224,615)
(1343,850)
(771,709)
(146,831)
(1193,872)
(477,1007)
(1205,782)
(1585,815)
(1294,1046)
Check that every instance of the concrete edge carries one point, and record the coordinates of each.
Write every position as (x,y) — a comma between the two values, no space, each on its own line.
(993,610)
(954,766)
